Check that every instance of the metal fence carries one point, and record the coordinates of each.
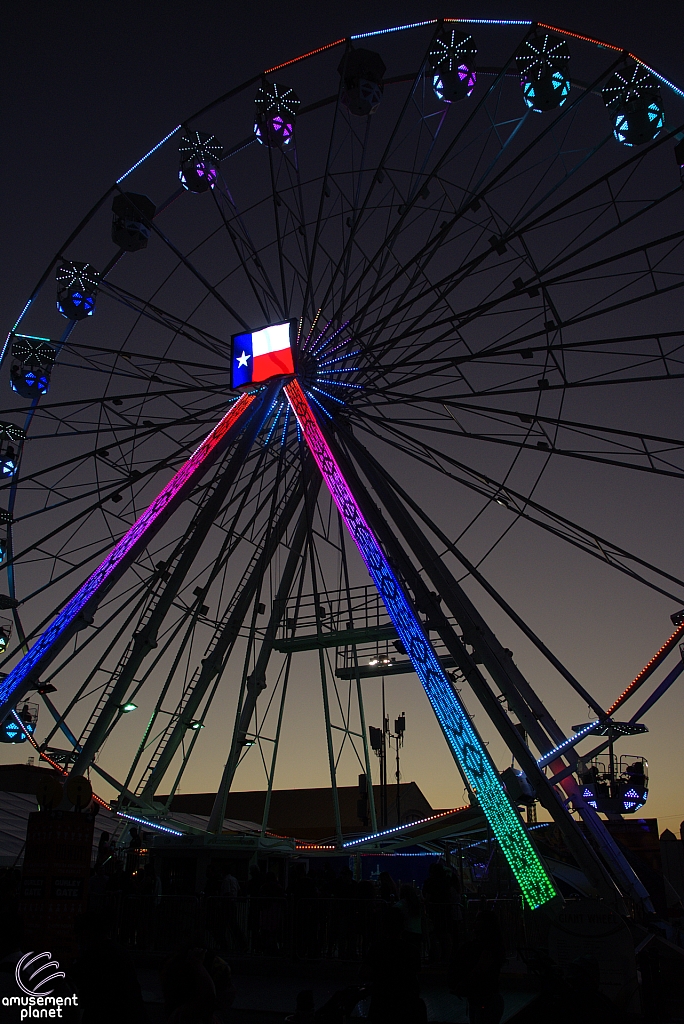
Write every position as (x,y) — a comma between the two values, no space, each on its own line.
(302,929)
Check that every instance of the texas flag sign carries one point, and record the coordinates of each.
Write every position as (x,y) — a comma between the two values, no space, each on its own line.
(260,355)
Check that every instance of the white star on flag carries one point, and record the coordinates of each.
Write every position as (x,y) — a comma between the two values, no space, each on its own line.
(242,360)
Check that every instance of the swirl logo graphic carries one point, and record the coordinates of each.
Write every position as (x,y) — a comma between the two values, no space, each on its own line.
(30,971)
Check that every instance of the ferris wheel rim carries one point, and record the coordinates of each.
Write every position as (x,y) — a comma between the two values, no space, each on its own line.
(245,85)
(326,47)
(294,60)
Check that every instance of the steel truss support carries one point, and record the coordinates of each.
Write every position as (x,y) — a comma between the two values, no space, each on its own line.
(145,640)
(519,694)
(466,746)
(79,611)
(228,547)
(190,700)
(215,662)
(332,766)
(256,682)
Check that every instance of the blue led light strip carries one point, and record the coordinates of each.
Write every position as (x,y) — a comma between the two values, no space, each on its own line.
(82,605)
(402,828)
(536,885)
(397,28)
(150,824)
(661,78)
(547,758)
(16,324)
(153,150)
(484,21)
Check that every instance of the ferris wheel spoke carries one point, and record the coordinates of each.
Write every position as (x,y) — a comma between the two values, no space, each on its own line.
(84,349)
(245,251)
(469,316)
(380,471)
(189,265)
(178,326)
(128,595)
(605,179)
(391,237)
(219,650)
(649,460)
(386,396)
(125,479)
(439,368)
(321,217)
(108,709)
(376,179)
(628,440)
(449,283)
(524,507)
(75,462)
(75,522)
(427,251)
(278,235)
(414,189)
(105,401)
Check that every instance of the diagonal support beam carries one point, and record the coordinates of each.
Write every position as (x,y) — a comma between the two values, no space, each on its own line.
(520,695)
(466,746)
(145,639)
(80,610)
(256,682)
(215,662)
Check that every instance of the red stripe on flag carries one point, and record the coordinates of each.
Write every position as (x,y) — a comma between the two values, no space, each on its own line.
(271,364)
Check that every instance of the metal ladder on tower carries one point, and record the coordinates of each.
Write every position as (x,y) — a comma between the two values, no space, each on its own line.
(123,660)
(190,689)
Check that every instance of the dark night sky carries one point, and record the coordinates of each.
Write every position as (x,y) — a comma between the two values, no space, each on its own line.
(88,88)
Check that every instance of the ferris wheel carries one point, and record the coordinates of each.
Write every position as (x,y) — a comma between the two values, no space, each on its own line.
(343,323)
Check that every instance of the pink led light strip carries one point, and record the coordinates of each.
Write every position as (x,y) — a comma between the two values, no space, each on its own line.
(84,602)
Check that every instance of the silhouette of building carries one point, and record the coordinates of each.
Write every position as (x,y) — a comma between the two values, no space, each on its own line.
(307,813)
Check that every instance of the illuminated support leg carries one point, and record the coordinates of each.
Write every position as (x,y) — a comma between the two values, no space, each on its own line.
(145,639)
(79,611)
(467,748)
(520,696)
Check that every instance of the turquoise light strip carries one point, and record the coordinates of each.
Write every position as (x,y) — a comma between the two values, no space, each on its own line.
(536,885)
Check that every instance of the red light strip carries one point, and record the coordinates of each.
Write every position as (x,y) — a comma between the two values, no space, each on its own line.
(320,49)
(54,764)
(587,39)
(647,669)
(477,21)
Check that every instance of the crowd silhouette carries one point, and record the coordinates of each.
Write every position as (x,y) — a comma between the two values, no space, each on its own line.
(393,931)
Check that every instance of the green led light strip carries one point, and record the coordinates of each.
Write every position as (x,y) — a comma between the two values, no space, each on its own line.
(536,885)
